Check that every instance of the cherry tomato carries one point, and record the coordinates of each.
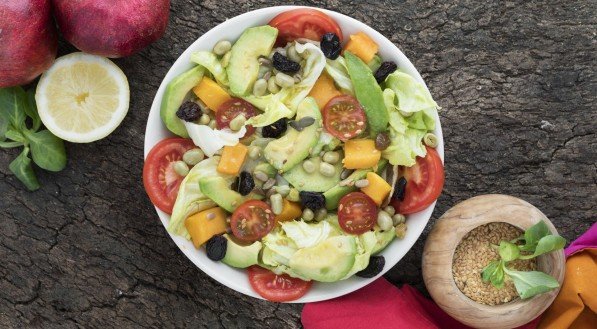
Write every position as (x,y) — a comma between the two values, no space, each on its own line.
(303,23)
(344,117)
(252,220)
(424,183)
(277,288)
(231,109)
(357,213)
(159,178)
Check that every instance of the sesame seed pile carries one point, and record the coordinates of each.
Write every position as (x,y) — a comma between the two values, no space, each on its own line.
(474,253)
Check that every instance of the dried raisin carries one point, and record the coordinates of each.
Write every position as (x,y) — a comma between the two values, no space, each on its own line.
(384,70)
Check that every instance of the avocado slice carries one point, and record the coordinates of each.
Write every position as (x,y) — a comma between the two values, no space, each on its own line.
(243,67)
(314,182)
(174,96)
(368,93)
(334,194)
(218,190)
(383,239)
(328,261)
(292,148)
(241,256)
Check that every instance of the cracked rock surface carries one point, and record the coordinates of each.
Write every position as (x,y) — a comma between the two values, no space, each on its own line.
(517,86)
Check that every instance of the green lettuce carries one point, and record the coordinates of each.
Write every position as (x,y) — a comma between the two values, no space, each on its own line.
(337,70)
(190,199)
(210,61)
(405,95)
(285,103)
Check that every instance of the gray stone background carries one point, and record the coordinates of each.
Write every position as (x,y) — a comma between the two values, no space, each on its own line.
(516,82)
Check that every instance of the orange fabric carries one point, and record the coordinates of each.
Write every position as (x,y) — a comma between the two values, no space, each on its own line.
(576,304)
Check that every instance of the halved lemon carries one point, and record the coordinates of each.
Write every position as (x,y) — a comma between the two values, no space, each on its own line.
(82,97)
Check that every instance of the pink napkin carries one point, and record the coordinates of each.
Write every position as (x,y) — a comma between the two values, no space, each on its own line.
(587,240)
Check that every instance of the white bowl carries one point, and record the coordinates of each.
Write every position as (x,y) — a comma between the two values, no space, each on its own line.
(156,131)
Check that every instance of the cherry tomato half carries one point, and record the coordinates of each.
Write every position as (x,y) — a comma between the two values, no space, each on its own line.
(303,23)
(252,220)
(159,178)
(424,183)
(277,288)
(357,213)
(344,117)
(231,109)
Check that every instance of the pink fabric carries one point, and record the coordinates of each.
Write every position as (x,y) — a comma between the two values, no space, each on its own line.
(587,240)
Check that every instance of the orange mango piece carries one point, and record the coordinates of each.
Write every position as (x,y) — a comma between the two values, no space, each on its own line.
(324,90)
(378,189)
(205,224)
(291,210)
(360,154)
(232,159)
(362,46)
(210,93)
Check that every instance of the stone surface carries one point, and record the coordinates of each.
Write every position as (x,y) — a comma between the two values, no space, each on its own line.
(517,86)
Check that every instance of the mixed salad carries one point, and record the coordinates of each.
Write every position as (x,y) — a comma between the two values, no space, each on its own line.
(299,154)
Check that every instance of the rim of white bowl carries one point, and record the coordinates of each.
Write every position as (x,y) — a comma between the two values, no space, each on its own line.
(320,291)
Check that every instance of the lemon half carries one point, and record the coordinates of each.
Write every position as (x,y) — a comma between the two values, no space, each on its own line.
(82,97)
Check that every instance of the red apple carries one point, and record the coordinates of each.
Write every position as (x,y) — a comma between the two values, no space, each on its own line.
(112,28)
(28,40)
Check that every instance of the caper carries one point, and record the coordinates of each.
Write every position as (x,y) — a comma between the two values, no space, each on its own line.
(193,156)
(384,221)
(272,87)
(430,140)
(284,80)
(308,214)
(222,47)
(226,60)
(181,168)
(331,157)
(382,141)
(238,122)
(398,219)
(390,210)
(320,214)
(277,203)
(205,119)
(327,169)
(260,87)
(254,151)
(293,195)
(309,166)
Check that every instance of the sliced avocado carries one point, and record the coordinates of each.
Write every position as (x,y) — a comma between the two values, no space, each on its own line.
(218,190)
(243,67)
(241,256)
(334,194)
(174,96)
(314,182)
(383,239)
(368,93)
(327,261)
(292,148)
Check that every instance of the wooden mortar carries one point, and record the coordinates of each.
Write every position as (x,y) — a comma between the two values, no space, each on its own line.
(439,250)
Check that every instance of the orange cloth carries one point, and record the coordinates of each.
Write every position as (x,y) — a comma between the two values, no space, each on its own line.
(576,304)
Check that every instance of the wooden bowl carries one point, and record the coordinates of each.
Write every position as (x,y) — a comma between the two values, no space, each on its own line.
(439,253)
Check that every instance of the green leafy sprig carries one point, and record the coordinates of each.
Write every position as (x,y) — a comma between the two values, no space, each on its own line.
(537,241)
(47,150)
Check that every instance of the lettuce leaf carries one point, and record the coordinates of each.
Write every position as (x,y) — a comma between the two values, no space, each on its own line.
(337,70)
(405,148)
(412,95)
(285,103)
(210,61)
(212,140)
(190,199)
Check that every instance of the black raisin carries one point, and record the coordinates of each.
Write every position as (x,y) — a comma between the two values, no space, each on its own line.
(382,141)
(216,247)
(330,45)
(399,189)
(384,70)
(283,64)
(246,184)
(189,111)
(376,264)
(312,200)
(274,130)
